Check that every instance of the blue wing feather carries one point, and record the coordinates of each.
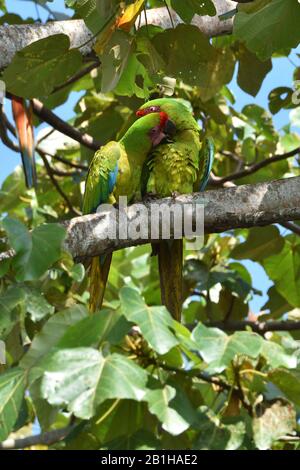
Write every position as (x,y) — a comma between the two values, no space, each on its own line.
(209,154)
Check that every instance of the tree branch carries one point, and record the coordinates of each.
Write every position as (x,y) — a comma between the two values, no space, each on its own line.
(50,173)
(15,37)
(216,181)
(225,209)
(48,116)
(46,438)
(258,327)
(292,227)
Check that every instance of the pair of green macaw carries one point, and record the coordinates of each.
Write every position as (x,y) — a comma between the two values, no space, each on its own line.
(160,154)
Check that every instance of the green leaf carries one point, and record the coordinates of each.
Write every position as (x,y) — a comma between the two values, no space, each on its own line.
(94,12)
(284,269)
(276,356)
(106,325)
(274,27)
(114,59)
(187,9)
(9,300)
(175,415)
(279,98)
(38,68)
(140,440)
(215,435)
(218,349)
(36,251)
(276,304)
(53,330)
(261,243)
(36,304)
(154,322)
(82,378)
(252,71)
(288,381)
(194,60)
(271,421)
(12,387)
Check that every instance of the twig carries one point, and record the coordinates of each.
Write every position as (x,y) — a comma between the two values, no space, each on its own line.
(78,76)
(258,327)
(46,438)
(292,227)
(3,132)
(72,209)
(66,162)
(48,116)
(254,168)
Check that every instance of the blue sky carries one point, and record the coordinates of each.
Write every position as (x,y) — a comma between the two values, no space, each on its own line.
(281,75)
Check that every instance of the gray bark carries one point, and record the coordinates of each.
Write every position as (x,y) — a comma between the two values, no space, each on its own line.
(15,37)
(228,208)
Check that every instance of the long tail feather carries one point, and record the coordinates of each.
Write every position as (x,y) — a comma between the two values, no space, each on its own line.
(23,119)
(170,263)
(99,271)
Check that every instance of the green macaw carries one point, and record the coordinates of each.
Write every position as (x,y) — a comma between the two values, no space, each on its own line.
(115,170)
(182,166)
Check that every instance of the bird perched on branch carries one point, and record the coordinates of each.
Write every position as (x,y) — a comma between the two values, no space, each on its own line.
(22,115)
(115,171)
(181,165)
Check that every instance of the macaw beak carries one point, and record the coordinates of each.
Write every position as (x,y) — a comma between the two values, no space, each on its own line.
(140,112)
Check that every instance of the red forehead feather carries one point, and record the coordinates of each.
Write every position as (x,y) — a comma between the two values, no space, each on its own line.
(163,119)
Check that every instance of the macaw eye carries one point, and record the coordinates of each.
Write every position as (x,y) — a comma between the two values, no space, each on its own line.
(153,109)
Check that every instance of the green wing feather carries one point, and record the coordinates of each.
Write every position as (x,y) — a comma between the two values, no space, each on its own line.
(100,183)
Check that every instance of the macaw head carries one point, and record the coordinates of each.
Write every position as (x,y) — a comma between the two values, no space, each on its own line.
(164,129)
(178,113)
(166,125)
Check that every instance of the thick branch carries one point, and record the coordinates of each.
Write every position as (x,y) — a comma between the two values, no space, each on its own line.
(15,37)
(228,208)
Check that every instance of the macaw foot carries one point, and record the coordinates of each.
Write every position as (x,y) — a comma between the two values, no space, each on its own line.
(175,194)
(150,197)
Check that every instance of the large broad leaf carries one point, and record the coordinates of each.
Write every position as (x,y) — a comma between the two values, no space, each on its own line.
(289,383)
(218,349)
(218,436)
(154,322)
(39,67)
(276,304)
(9,300)
(96,13)
(271,421)
(35,251)
(284,269)
(12,387)
(82,378)
(276,356)
(187,9)
(175,412)
(114,60)
(252,71)
(107,325)
(270,29)
(261,243)
(140,440)
(51,333)
(36,304)
(194,60)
